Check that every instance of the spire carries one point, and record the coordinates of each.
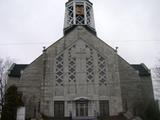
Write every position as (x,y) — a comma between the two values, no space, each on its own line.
(79,12)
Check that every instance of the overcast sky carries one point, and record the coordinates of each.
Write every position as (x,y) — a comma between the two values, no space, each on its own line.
(132,25)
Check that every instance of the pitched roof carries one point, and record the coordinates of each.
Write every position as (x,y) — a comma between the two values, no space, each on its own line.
(15,70)
(142,69)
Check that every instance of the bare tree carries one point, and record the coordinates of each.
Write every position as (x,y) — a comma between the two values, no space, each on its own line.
(4,66)
(156,82)
(157,69)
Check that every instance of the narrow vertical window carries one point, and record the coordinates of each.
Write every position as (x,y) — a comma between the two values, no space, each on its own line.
(102,70)
(70,14)
(88,14)
(59,70)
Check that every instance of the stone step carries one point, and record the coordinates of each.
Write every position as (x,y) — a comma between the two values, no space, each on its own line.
(84,118)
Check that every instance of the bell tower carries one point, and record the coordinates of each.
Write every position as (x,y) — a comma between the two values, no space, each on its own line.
(79,12)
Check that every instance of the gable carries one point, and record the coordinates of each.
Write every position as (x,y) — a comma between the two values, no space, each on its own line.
(81,33)
(82,65)
(81,46)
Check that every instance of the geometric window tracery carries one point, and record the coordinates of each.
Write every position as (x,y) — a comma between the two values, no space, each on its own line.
(70,15)
(101,70)
(59,70)
(88,14)
(79,14)
(79,20)
(90,66)
(71,66)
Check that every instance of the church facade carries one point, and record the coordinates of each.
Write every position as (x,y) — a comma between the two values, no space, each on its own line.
(80,75)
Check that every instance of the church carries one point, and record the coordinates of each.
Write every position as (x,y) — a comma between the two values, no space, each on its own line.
(80,76)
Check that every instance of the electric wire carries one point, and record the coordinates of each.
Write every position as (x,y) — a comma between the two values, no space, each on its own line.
(48,42)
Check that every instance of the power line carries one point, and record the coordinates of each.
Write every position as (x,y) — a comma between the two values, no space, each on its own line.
(25,43)
(134,40)
(111,41)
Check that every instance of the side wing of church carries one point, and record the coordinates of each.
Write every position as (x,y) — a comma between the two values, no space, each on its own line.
(80,75)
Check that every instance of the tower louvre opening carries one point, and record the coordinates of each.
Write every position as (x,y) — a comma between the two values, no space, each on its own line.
(79,12)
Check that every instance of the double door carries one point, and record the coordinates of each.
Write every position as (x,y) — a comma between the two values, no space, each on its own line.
(81,109)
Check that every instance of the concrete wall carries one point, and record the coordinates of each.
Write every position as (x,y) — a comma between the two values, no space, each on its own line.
(30,82)
(147,90)
(130,86)
(137,92)
(12,81)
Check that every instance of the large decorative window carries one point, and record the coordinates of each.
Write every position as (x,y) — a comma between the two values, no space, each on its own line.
(102,70)
(71,66)
(71,71)
(59,70)
(78,72)
(90,66)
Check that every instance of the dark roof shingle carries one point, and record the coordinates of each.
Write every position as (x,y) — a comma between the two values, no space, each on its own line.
(15,70)
(142,69)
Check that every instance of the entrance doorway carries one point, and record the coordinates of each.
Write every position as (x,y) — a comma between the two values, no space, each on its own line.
(81,108)
(59,108)
(104,108)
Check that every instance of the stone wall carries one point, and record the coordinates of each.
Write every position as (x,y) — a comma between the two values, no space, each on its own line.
(147,90)
(132,94)
(12,81)
(30,85)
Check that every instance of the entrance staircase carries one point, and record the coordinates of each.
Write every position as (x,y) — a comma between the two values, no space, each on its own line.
(84,118)
(125,116)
